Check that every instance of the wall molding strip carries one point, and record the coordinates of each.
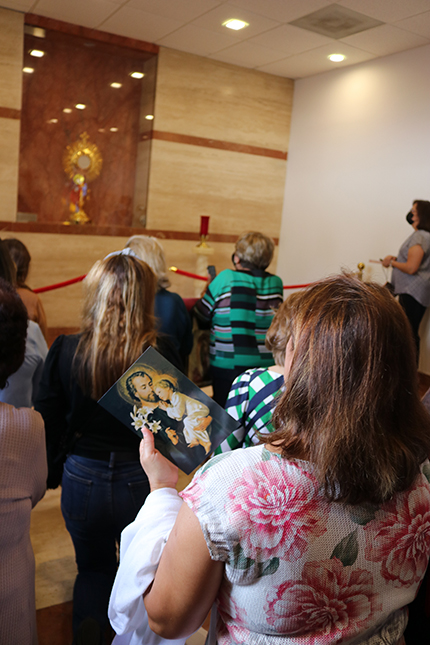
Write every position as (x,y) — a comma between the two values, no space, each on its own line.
(93,34)
(114,231)
(214,143)
(9,113)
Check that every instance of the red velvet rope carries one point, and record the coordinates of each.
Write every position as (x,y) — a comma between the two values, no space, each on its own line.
(195,276)
(51,287)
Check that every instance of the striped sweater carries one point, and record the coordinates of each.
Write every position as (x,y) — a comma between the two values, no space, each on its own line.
(240,306)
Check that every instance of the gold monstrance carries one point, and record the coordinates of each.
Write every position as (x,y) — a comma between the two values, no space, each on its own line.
(82,162)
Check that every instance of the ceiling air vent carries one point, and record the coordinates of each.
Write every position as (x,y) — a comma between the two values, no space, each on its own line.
(335,21)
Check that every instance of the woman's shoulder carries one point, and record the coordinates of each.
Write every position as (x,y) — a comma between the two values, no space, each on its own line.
(21,420)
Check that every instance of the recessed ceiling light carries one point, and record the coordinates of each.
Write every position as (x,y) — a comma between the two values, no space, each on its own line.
(116,85)
(113,129)
(149,117)
(80,106)
(336,58)
(28,70)
(53,121)
(137,74)
(235,24)
(67,110)
(37,53)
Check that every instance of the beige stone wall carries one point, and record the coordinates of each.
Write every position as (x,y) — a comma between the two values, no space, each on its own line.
(239,190)
(56,258)
(11,51)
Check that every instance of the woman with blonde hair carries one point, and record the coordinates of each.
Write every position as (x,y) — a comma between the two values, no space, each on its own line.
(103,485)
(322,533)
(170,311)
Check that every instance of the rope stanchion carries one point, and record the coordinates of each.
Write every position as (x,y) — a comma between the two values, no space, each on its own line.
(195,276)
(59,285)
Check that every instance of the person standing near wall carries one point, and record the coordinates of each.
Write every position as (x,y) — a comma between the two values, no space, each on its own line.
(411,268)
(239,305)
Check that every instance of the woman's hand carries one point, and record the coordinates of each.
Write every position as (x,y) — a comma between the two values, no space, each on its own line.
(386,262)
(160,471)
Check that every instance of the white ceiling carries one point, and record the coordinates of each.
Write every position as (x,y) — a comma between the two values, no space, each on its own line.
(269,44)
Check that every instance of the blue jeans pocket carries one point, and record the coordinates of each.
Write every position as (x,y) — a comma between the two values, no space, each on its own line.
(139,491)
(75,495)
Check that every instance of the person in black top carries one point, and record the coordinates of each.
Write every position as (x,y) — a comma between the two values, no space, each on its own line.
(103,484)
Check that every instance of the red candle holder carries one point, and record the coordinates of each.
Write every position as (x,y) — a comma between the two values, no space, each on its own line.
(204,228)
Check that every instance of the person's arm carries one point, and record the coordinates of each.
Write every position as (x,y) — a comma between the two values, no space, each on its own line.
(412,264)
(187,580)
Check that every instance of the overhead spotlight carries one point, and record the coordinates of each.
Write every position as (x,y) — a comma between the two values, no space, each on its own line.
(67,110)
(116,85)
(113,129)
(53,121)
(149,117)
(137,74)
(336,58)
(235,24)
(80,106)
(37,53)
(28,70)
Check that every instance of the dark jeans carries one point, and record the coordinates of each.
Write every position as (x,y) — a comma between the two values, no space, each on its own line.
(99,499)
(415,312)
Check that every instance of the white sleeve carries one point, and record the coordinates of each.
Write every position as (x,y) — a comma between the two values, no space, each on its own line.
(142,543)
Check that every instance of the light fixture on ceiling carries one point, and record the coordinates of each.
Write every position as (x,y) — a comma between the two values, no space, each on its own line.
(113,129)
(235,24)
(53,121)
(137,74)
(116,85)
(37,53)
(336,58)
(80,106)
(67,110)
(149,117)
(28,70)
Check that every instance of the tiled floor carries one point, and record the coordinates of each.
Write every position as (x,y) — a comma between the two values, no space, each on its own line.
(56,570)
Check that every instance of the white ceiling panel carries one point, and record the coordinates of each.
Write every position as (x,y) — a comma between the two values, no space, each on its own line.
(214,19)
(418,24)
(195,40)
(139,24)
(387,10)
(78,12)
(247,55)
(269,43)
(182,11)
(290,40)
(385,39)
(282,10)
(316,61)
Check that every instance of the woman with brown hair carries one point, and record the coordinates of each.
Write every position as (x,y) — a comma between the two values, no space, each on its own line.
(21,258)
(322,533)
(103,485)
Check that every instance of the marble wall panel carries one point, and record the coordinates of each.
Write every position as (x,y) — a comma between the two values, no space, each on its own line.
(75,71)
(206,98)
(9,154)
(56,258)
(11,45)
(238,191)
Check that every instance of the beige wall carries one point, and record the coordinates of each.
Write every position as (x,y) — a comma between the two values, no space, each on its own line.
(11,53)
(203,98)
(195,97)
(56,258)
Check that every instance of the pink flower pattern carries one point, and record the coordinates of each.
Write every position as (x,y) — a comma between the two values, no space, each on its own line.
(399,537)
(278,513)
(230,627)
(328,603)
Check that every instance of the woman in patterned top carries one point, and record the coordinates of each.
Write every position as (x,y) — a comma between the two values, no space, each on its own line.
(253,394)
(322,534)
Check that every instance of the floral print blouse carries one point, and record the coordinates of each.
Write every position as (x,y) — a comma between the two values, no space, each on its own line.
(299,569)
